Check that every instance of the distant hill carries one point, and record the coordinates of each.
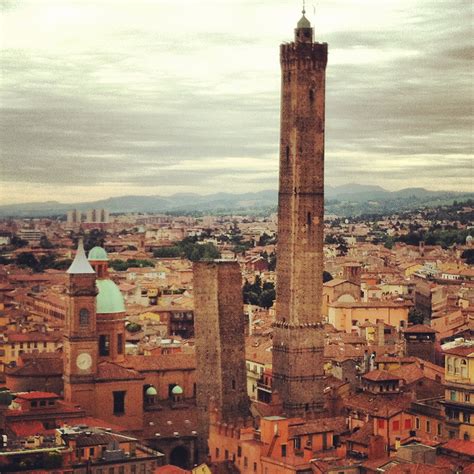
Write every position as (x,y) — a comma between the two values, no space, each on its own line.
(345,200)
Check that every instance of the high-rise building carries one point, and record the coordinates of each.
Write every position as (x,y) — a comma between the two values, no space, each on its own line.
(298,336)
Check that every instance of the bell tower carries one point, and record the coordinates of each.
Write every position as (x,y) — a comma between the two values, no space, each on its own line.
(298,336)
(80,340)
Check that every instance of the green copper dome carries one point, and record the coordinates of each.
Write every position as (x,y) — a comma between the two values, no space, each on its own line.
(303,23)
(98,253)
(151,391)
(109,299)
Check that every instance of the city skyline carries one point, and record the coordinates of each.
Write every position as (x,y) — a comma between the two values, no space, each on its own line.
(158,98)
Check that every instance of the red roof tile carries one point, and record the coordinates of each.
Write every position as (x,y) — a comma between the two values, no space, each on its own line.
(460,446)
(37,395)
(419,328)
(111,371)
(380,376)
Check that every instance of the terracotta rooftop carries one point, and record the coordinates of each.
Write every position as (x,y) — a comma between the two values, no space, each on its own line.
(463,351)
(378,405)
(460,446)
(418,468)
(38,368)
(380,376)
(361,436)
(36,395)
(110,371)
(419,328)
(321,425)
(177,361)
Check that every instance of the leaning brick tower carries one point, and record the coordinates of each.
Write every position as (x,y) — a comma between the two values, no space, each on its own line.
(298,335)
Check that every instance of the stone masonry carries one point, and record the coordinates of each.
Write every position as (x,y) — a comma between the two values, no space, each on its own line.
(298,337)
(220,345)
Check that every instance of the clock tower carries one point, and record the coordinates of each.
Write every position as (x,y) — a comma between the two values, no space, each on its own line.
(80,339)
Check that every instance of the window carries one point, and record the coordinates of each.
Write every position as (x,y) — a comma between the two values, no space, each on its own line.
(417,423)
(408,424)
(297,443)
(428,426)
(283,450)
(246,461)
(396,425)
(239,451)
(287,153)
(233,384)
(104,345)
(217,453)
(119,343)
(42,403)
(83,317)
(91,451)
(111,470)
(121,470)
(119,402)
(381,423)
(440,429)
(311,95)
(226,454)
(466,418)
(450,364)
(133,469)
(34,403)
(452,395)
(254,467)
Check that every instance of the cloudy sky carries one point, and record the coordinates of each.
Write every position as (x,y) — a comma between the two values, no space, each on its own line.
(104,98)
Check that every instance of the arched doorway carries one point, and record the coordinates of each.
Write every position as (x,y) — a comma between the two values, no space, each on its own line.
(179,456)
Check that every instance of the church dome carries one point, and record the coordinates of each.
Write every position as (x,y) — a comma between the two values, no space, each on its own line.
(109,298)
(177,390)
(303,23)
(151,391)
(98,253)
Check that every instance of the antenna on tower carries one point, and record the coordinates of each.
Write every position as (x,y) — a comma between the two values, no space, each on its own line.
(304,9)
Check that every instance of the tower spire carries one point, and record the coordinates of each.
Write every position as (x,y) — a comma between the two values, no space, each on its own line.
(304,10)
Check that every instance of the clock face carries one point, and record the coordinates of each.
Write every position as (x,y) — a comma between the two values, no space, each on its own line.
(84,361)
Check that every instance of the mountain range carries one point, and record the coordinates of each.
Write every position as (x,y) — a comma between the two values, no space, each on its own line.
(348,199)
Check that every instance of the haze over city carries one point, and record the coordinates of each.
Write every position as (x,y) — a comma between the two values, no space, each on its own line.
(103,98)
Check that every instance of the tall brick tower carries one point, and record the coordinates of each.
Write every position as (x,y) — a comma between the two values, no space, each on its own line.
(220,344)
(298,336)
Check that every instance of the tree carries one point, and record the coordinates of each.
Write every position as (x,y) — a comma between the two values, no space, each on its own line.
(468,255)
(27,259)
(266,299)
(17,242)
(45,243)
(415,316)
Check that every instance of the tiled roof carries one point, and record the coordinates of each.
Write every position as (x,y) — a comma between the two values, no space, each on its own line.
(361,436)
(409,373)
(378,405)
(418,468)
(177,361)
(460,446)
(110,371)
(322,425)
(463,351)
(47,367)
(32,337)
(380,376)
(36,395)
(419,328)
(26,428)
